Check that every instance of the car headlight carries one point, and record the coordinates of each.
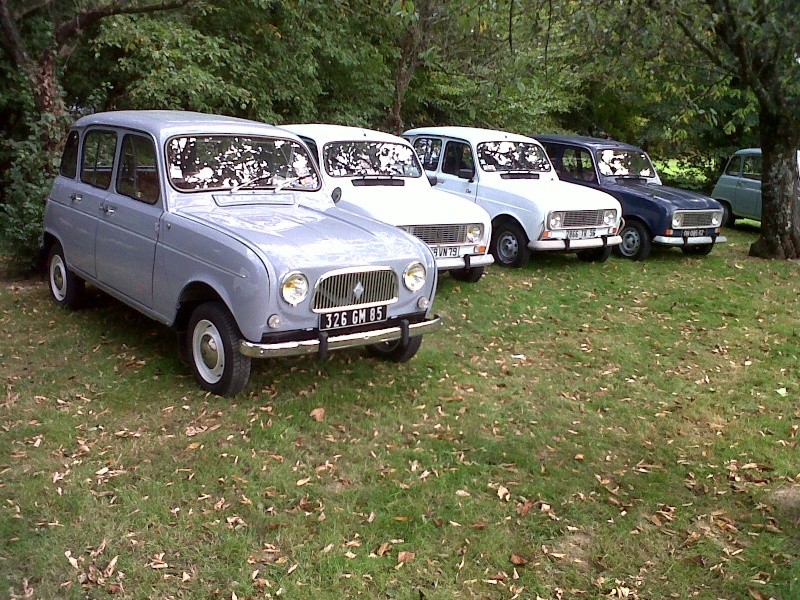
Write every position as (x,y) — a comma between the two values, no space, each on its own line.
(474,233)
(609,217)
(414,276)
(555,220)
(716,219)
(294,288)
(677,219)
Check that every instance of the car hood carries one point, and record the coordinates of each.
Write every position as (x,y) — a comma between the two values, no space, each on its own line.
(554,194)
(680,199)
(411,205)
(300,237)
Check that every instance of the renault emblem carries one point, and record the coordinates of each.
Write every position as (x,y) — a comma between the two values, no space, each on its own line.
(358,291)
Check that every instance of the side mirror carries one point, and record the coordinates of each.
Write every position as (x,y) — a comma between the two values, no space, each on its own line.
(336,195)
(466,173)
(432,179)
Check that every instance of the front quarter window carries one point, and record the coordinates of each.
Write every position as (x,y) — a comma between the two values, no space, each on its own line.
(230,162)
(69,159)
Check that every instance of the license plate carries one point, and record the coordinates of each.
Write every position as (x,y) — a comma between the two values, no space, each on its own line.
(352,317)
(694,232)
(577,234)
(445,251)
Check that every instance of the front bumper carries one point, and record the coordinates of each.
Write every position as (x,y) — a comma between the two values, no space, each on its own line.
(689,241)
(464,262)
(326,342)
(566,244)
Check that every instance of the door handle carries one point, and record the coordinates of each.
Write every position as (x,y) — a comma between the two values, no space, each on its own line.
(76,197)
(109,210)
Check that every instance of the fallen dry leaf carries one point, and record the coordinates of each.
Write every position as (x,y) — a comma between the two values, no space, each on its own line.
(318,414)
(519,560)
(405,557)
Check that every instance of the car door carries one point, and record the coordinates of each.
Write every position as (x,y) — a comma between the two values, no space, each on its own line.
(457,173)
(725,189)
(748,188)
(128,228)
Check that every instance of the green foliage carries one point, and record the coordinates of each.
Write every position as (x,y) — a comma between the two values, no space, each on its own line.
(26,184)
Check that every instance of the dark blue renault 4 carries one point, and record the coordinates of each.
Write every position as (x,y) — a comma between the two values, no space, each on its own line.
(653,213)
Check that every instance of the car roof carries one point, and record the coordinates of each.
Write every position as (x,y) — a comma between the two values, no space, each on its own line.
(748,151)
(163,124)
(474,135)
(592,143)
(323,133)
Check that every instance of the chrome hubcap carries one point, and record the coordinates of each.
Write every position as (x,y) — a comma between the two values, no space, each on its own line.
(58,278)
(209,353)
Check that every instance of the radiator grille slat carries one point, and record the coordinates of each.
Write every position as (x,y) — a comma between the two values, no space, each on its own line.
(355,289)
(439,234)
(697,218)
(583,218)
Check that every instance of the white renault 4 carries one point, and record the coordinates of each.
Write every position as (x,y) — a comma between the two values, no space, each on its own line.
(380,176)
(511,177)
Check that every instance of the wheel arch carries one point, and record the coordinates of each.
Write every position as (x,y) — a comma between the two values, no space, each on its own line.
(193,295)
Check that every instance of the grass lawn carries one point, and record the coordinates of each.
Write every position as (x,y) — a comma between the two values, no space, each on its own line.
(623,430)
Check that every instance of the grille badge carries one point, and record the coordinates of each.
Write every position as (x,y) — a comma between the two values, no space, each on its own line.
(358,291)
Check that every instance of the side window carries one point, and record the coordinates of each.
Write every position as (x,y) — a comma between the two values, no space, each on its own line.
(457,159)
(734,166)
(752,167)
(69,160)
(137,176)
(312,145)
(552,151)
(576,163)
(429,150)
(98,158)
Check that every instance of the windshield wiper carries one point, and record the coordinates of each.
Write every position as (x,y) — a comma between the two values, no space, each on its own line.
(286,182)
(250,181)
(519,174)
(630,177)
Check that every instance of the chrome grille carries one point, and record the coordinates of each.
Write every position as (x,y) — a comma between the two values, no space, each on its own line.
(439,234)
(355,288)
(697,218)
(582,218)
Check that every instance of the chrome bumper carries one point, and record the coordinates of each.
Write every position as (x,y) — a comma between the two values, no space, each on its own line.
(611,240)
(325,343)
(692,241)
(460,262)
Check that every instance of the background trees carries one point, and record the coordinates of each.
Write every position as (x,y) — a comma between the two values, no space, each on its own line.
(686,78)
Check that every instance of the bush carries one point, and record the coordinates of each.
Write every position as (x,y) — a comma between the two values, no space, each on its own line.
(25,187)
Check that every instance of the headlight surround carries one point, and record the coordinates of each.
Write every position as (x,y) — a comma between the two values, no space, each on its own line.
(609,217)
(555,220)
(474,233)
(414,276)
(294,288)
(716,219)
(677,220)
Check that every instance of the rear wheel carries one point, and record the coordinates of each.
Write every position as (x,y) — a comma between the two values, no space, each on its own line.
(470,275)
(595,254)
(65,287)
(212,342)
(396,351)
(698,249)
(636,241)
(510,244)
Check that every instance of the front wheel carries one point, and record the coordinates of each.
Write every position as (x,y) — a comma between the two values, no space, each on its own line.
(698,249)
(728,218)
(212,342)
(470,275)
(510,245)
(636,241)
(396,351)
(65,287)
(599,255)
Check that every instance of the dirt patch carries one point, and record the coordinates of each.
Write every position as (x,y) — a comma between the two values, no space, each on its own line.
(576,549)
(787,500)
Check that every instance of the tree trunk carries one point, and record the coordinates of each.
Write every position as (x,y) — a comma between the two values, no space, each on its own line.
(780,220)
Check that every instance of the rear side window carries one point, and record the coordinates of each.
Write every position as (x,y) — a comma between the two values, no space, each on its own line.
(428,150)
(137,176)
(734,166)
(97,162)
(69,160)
(751,169)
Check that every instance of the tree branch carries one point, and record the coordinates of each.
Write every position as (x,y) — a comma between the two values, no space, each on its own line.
(32,6)
(72,27)
(12,39)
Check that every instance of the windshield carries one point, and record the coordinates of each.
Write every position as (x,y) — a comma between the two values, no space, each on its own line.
(365,158)
(219,162)
(624,163)
(512,156)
